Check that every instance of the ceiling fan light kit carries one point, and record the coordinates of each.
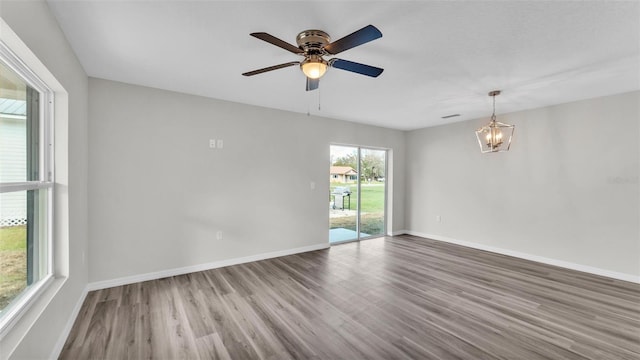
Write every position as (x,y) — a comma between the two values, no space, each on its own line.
(313,45)
(314,67)
(495,136)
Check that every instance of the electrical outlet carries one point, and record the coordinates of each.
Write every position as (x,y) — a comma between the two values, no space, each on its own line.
(219,235)
(212,143)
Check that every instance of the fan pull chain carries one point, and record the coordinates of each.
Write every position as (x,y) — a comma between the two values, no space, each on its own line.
(309,104)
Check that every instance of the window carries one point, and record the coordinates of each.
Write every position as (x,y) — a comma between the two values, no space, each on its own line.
(26,186)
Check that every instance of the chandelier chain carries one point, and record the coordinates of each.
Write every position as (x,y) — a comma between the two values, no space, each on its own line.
(493,116)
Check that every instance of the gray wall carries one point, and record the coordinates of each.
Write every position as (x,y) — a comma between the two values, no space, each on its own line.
(36,334)
(567,190)
(159,194)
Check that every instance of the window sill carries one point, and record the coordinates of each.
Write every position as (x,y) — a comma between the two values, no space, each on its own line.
(26,311)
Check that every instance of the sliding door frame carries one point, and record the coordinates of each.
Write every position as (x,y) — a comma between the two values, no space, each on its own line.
(359,182)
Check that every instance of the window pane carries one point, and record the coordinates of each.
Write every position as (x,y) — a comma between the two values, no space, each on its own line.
(372,189)
(19,129)
(25,215)
(23,242)
(343,194)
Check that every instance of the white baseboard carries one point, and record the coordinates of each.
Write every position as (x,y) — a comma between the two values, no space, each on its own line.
(62,339)
(536,258)
(200,267)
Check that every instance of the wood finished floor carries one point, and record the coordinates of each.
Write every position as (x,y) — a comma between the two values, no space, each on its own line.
(389,298)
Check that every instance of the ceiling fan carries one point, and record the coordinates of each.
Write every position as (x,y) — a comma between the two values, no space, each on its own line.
(314,45)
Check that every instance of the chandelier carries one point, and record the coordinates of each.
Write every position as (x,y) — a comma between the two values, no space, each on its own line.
(495,136)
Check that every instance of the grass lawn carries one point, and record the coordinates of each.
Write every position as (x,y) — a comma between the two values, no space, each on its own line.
(372,223)
(13,262)
(372,212)
(372,196)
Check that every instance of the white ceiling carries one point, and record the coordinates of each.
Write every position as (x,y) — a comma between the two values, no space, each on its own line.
(440,58)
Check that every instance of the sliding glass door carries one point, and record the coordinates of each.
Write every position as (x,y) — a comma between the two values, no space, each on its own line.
(372,192)
(357,193)
(343,194)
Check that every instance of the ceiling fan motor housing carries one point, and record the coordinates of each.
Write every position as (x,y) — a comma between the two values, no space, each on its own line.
(313,41)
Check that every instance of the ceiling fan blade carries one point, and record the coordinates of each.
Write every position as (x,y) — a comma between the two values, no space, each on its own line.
(277,42)
(362,36)
(356,67)
(312,84)
(275,67)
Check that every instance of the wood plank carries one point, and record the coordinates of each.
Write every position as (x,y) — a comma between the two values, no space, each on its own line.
(393,297)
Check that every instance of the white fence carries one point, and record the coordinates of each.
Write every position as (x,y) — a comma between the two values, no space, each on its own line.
(13,164)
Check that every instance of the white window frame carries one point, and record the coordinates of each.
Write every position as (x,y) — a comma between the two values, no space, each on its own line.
(46,170)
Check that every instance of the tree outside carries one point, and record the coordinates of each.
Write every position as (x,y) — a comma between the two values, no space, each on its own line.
(372,165)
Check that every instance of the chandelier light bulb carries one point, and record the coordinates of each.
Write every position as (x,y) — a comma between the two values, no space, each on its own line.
(494,138)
